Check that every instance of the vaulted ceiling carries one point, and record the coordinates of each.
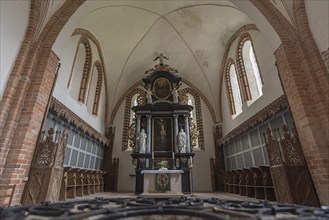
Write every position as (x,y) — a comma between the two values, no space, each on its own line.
(192,34)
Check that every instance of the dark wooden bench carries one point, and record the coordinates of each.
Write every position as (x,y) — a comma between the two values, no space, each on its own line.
(258,183)
(268,184)
(255,182)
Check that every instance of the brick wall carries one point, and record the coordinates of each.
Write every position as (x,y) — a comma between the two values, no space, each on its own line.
(325,57)
(22,147)
(305,82)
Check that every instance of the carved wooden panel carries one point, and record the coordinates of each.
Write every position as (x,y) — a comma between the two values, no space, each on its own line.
(290,175)
(47,168)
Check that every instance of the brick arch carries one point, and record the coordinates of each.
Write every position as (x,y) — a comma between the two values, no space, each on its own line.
(280,24)
(24,68)
(18,78)
(92,38)
(86,69)
(229,91)
(24,82)
(127,113)
(244,80)
(198,111)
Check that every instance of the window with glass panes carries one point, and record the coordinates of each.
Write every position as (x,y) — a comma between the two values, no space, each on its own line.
(248,149)
(82,151)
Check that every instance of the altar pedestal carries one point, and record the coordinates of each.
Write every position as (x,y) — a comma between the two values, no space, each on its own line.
(162,183)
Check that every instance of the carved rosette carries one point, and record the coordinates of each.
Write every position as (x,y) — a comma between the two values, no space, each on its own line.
(47,168)
(290,148)
(45,150)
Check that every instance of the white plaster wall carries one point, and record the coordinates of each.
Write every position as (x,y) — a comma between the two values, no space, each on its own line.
(12,32)
(201,169)
(271,89)
(126,183)
(318,18)
(62,93)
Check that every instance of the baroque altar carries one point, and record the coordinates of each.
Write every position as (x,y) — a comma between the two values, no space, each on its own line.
(162,132)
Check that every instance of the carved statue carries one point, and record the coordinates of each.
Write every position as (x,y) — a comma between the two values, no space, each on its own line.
(175,95)
(141,138)
(149,94)
(182,141)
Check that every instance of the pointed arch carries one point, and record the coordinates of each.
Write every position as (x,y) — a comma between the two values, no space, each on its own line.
(98,88)
(232,88)
(127,115)
(86,70)
(86,55)
(198,114)
(248,68)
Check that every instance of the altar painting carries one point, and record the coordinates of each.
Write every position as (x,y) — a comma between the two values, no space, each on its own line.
(162,134)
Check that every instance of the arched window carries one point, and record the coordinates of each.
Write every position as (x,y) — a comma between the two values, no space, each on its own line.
(233,89)
(252,70)
(196,131)
(95,88)
(248,69)
(132,104)
(81,70)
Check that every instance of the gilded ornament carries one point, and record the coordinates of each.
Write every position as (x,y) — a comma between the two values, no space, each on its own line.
(132,134)
(194,134)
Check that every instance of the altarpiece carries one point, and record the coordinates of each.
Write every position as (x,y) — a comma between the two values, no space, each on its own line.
(161,114)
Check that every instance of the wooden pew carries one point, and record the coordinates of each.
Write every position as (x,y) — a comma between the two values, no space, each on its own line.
(242,183)
(268,184)
(79,182)
(86,183)
(71,183)
(236,181)
(258,183)
(250,190)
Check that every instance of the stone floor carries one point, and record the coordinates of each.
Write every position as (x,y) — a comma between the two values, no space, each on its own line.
(219,195)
